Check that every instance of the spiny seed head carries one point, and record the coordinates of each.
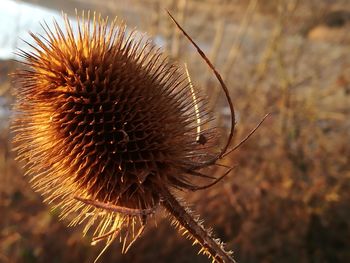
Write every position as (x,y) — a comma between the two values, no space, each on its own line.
(100,114)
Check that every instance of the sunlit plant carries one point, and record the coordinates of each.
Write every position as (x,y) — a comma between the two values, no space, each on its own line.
(108,128)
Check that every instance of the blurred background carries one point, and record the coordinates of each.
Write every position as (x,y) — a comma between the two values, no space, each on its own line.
(288,200)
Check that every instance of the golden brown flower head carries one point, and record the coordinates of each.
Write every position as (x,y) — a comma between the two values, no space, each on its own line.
(106,126)
(102,115)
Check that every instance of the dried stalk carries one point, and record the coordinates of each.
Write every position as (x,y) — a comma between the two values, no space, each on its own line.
(185,220)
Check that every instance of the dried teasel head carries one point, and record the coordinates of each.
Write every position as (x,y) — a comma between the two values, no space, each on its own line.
(104,116)
(106,126)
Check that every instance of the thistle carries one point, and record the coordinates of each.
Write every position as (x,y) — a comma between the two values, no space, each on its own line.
(108,128)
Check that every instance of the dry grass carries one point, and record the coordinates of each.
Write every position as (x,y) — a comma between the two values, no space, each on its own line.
(288,200)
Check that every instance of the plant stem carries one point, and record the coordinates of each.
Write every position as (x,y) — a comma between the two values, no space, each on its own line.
(183,217)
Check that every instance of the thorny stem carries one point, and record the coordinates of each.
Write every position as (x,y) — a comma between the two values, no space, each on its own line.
(209,244)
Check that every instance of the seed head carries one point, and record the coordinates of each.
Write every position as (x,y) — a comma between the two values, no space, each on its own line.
(102,115)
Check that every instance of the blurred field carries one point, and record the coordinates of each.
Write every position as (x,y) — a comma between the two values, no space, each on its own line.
(288,200)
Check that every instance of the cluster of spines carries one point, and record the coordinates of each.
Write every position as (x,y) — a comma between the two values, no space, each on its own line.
(50,94)
(184,160)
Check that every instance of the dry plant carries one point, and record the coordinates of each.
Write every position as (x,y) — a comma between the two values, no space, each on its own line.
(288,200)
(108,128)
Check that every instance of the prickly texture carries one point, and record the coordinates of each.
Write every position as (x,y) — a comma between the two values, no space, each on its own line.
(101,115)
(192,227)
